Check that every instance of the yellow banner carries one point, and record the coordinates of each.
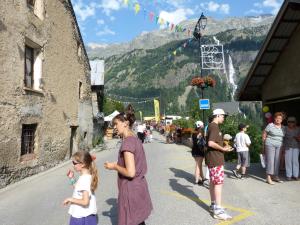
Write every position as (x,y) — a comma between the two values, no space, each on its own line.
(156,110)
(141,116)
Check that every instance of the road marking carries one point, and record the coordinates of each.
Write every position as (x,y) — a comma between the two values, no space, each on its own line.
(244,213)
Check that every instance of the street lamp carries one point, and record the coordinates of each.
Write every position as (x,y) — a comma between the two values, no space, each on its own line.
(201,25)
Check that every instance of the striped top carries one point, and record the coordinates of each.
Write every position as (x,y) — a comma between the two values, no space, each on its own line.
(275,135)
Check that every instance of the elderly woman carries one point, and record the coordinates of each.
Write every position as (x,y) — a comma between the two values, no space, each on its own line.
(273,140)
(291,145)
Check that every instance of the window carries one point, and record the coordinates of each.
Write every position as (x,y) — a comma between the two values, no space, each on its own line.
(31,3)
(28,136)
(29,65)
(79,89)
(33,66)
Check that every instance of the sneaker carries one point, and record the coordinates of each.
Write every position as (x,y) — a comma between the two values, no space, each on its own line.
(212,208)
(242,176)
(220,214)
(235,173)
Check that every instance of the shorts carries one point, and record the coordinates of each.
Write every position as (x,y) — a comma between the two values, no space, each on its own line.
(88,220)
(216,175)
(243,158)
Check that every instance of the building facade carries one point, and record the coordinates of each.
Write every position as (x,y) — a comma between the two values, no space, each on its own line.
(274,76)
(45,96)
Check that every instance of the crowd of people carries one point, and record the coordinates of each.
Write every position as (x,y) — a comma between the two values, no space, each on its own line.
(208,145)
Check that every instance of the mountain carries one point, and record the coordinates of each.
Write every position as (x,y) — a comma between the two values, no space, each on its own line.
(155,39)
(145,69)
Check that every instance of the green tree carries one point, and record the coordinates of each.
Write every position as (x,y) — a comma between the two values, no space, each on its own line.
(110,106)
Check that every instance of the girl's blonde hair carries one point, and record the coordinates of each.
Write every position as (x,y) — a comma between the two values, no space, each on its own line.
(85,157)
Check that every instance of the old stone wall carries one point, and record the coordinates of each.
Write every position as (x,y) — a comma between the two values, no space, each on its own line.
(56,105)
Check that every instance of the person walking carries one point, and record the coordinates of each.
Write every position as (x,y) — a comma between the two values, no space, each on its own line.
(242,142)
(134,202)
(215,161)
(83,207)
(291,145)
(141,132)
(198,154)
(273,139)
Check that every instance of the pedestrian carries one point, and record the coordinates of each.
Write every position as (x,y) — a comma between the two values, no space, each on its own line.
(242,142)
(168,132)
(215,161)
(83,207)
(134,202)
(291,145)
(198,154)
(141,132)
(272,137)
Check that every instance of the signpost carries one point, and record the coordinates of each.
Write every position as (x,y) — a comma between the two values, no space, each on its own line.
(204,104)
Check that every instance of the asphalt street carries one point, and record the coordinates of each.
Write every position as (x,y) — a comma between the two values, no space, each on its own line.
(177,201)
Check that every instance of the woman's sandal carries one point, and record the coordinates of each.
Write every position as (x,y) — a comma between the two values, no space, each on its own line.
(270,182)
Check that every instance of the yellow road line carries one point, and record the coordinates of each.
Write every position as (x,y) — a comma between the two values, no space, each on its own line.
(244,213)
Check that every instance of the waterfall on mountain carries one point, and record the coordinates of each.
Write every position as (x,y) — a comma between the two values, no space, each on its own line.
(231,77)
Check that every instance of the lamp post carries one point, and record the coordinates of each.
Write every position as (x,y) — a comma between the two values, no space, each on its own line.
(201,24)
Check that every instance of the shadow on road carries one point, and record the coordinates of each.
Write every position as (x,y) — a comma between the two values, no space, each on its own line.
(187,192)
(183,174)
(112,213)
(254,171)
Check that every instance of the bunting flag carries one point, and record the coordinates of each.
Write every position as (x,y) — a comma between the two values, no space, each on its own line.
(137,8)
(156,19)
(151,16)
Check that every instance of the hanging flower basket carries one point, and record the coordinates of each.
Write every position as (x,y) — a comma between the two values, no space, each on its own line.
(203,82)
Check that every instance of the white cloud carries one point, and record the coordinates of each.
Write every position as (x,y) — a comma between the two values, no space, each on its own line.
(111,5)
(176,3)
(216,7)
(260,6)
(100,22)
(105,31)
(93,45)
(84,11)
(176,16)
(274,4)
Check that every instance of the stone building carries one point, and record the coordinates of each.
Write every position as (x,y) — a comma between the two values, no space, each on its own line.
(97,86)
(274,76)
(45,95)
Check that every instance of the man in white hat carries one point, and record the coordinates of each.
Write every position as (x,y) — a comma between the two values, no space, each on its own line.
(215,162)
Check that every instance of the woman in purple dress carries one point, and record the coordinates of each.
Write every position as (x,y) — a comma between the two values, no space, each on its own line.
(134,202)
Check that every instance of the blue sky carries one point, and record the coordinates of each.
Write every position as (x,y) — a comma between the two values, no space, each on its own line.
(114,21)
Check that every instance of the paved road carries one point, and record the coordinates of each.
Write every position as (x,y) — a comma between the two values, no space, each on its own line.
(177,201)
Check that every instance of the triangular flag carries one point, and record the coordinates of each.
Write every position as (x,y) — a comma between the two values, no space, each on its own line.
(156,19)
(168,24)
(151,15)
(137,8)
(175,52)
(172,26)
(161,21)
(126,2)
(145,13)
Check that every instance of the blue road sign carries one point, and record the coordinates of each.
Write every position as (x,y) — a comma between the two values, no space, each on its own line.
(204,104)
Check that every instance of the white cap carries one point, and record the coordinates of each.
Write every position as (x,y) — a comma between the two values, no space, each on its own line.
(219,112)
(199,124)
